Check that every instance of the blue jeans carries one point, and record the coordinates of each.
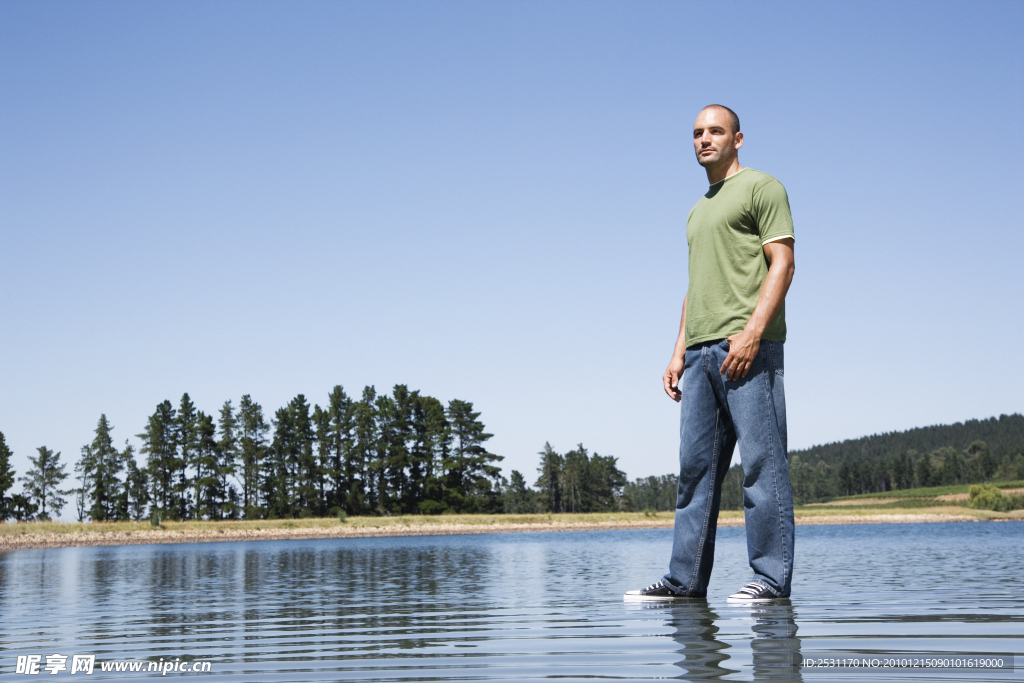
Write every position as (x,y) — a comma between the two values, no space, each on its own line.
(716,414)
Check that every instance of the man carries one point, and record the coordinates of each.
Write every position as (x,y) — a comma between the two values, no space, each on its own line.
(727,370)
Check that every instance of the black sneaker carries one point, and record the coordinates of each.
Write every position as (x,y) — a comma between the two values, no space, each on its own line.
(656,591)
(753,592)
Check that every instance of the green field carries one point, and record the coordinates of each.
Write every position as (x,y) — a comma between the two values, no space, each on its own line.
(931,491)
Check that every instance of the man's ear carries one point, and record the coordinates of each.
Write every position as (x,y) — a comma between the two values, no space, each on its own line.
(738,140)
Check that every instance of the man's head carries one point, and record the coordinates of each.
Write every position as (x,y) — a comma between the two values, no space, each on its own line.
(716,136)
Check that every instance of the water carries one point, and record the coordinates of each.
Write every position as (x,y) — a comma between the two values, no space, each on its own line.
(517,607)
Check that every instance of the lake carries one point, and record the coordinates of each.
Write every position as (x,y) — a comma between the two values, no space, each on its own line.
(523,607)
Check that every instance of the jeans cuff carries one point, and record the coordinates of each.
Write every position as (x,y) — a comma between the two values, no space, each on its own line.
(682,592)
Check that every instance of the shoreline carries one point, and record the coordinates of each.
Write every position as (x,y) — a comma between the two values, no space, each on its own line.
(388,527)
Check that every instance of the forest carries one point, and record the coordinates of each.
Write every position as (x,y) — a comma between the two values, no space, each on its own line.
(403,453)
(408,453)
(971,452)
(398,454)
(1003,435)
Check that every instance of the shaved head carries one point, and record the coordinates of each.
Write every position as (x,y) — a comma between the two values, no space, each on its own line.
(732,115)
(717,140)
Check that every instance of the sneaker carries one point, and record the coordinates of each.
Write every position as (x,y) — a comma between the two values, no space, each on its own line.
(753,592)
(656,591)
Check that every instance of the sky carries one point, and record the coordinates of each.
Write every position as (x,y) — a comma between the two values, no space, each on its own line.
(487,201)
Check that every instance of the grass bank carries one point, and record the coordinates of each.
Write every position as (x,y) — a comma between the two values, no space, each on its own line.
(64,534)
(933,492)
(352,523)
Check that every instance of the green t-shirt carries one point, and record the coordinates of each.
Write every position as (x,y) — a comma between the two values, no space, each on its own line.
(726,231)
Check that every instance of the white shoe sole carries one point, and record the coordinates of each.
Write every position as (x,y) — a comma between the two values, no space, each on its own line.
(634,596)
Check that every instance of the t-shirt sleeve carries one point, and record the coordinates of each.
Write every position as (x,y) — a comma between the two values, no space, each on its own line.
(771,209)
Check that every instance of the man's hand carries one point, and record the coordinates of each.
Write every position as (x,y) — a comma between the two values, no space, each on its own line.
(671,379)
(742,350)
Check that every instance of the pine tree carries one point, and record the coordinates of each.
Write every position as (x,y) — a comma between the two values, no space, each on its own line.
(159,442)
(227,462)
(575,484)
(394,415)
(903,471)
(42,480)
(80,503)
(22,508)
(99,468)
(384,414)
(986,463)
(923,472)
(430,452)
(328,477)
(206,482)
(188,441)
(6,480)
(136,487)
(549,483)
(282,467)
(800,476)
(122,495)
(304,463)
(418,456)
(336,439)
(607,483)
(400,462)
(845,479)
(518,497)
(660,493)
(880,475)
(470,472)
(252,439)
(364,453)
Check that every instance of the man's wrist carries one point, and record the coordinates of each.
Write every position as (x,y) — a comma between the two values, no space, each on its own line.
(754,332)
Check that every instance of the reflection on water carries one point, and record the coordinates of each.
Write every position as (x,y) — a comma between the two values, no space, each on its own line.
(776,649)
(695,631)
(514,607)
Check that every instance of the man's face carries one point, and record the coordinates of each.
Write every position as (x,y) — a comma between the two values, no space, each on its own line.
(713,139)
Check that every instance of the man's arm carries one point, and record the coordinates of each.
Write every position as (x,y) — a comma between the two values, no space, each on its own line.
(743,346)
(675,366)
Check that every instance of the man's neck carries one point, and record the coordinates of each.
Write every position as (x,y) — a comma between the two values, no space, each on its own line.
(720,173)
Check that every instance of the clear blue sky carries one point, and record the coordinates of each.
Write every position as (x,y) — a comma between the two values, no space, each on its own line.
(486,201)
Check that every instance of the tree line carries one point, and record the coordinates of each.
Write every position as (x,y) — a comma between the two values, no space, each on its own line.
(406,453)
(946,465)
(403,453)
(1003,435)
(575,481)
(398,454)
(820,481)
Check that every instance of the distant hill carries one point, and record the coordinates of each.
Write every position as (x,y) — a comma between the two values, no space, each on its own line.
(968,452)
(1004,435)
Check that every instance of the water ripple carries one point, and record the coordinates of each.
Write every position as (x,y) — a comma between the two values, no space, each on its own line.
(516,607)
